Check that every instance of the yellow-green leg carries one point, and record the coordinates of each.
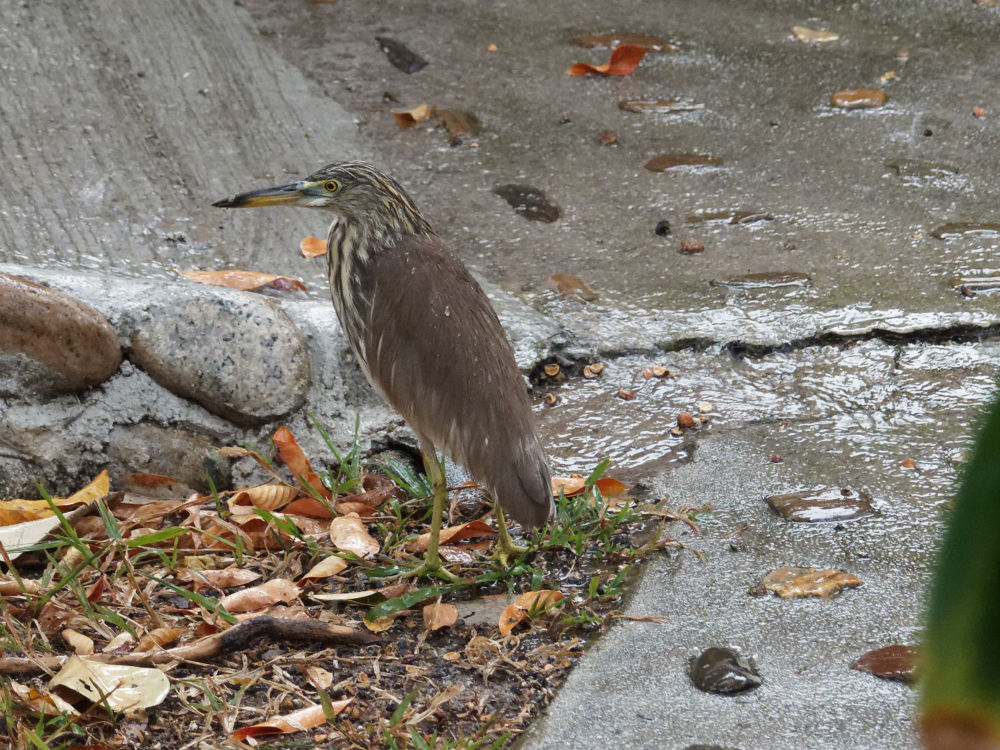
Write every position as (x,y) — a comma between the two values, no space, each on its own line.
(504,548)
(432,560)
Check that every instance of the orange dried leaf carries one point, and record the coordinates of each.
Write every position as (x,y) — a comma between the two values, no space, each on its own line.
(570,486)
(221,579)
(295,459)
(528,604)
(266,496)
(328,566)
(312,247)
(297,721)
(610,486)
(568,284)
(159,638)
(309,506)
(262,596)
(348,533)
(438,615)
(19,511)
(624,59)
(454,534)
(235,278)
(407,118)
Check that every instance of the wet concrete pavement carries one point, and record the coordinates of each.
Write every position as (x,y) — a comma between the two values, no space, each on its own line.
(112,163)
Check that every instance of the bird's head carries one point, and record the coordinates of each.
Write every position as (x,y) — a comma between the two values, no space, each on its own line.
(357,192)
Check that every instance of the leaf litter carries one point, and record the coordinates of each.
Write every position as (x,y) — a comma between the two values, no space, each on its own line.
(224,611)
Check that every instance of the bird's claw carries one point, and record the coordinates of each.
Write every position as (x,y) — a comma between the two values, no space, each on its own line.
(506,549)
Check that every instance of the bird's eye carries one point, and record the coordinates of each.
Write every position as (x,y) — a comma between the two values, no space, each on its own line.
(331,186)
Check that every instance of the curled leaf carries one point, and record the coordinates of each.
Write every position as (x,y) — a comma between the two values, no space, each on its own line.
(309,717)
(624,59)
(266,496)
(529,605)
(407,118)
(246,281)
(349,533)
(312,247)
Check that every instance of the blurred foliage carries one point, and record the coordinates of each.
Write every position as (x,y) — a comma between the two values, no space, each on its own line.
(961,653)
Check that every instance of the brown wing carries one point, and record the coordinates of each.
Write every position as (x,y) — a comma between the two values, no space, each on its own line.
(435,349)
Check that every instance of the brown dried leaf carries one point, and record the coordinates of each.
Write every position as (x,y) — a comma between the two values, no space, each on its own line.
(221,579)
(297,721)
(246,281)
(407,118)
(438,615)
(859,98)
(664,162)
(456,122)
(328,566)
(296,460)
(262,596)
(813,36)
(453,534)
(20,511)
(312,247)
(570,486)
(159,638)
(266,496)
(568,284)
(624,59)
(529,604)
(81,644)
(349,533)
(793,582)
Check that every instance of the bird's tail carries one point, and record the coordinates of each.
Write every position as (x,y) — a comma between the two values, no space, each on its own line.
(522,486)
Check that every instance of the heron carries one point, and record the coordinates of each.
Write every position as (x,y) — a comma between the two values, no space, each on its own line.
(428,341)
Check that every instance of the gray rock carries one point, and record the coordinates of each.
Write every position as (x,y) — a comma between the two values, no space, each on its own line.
(170,451)
(50,342)
(240,357)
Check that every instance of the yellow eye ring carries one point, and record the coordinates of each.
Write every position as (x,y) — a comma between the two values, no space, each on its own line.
(331,186)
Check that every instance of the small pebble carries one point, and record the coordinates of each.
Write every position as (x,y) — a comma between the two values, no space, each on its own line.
(704,407)
(662,228)
(625,394)
(692,246)
(607,138)
(685,420)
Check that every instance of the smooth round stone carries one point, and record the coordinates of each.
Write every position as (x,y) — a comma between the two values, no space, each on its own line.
(722,670)
(51,342)
(240,357)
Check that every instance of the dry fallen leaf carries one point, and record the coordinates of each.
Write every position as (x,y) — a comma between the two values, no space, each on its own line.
(813,36)
(568,284)
(624,59)
(529,604)
(793,582)
(82,645)
(245,281)
(570,486)
(297,721)
(220,579)
(452,534)
(350,534)
(859,98)
(407,118)
(262,596)
(159,638)
(438,615)
(266,496)
(298,464)
(117,686)
(312,247)
(328,566)
(20,511)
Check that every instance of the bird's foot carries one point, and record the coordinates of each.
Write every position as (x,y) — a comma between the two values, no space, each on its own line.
(505,549)
(430,568)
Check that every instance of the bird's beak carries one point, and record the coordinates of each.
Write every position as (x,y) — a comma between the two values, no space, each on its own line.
(281,195)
